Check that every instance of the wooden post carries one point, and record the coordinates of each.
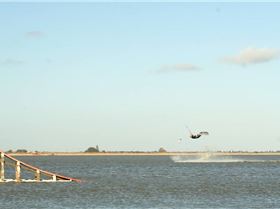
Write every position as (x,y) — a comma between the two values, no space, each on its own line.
(38,175)
(2,166)
(18,172)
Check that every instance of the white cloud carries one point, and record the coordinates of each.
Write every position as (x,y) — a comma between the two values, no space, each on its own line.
(178,68)
(253,56)
(34,34)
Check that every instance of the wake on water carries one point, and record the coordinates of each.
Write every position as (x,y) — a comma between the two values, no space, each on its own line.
(213,158)
(204,158)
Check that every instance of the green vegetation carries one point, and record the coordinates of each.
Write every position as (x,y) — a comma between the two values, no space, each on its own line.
(162,150)
(93,149)
(21,151)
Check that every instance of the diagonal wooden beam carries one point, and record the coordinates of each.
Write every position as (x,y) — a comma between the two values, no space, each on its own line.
(37,171)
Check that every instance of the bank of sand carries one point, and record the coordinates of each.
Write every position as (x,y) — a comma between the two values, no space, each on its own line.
(144,153)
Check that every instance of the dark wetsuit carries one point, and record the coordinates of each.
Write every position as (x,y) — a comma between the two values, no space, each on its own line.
(195,136)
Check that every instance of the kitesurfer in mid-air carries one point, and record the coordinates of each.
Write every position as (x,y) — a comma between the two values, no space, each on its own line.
(196,136)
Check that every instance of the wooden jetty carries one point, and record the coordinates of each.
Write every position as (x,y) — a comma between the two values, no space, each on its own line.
(19,166)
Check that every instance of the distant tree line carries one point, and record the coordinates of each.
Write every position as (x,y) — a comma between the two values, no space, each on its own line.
(17,151)
(160,150)
(96,149)
(93,149)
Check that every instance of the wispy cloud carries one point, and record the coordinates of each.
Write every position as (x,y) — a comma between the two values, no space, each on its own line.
(251,55)
(34,34)
(11,62)
(177,68)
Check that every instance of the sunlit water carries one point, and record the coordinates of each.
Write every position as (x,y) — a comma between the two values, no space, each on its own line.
(151,182)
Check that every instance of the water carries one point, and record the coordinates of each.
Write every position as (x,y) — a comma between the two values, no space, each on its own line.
(151,182)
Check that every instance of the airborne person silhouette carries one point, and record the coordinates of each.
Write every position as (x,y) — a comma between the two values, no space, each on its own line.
(196,136)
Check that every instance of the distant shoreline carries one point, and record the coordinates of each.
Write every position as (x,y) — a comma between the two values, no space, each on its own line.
(143,153)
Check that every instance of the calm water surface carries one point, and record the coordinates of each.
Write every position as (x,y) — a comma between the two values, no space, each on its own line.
(151,182)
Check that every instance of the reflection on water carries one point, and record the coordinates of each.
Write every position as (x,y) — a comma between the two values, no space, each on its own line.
(151,182)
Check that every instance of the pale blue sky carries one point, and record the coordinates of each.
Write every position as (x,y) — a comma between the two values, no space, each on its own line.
(131,76)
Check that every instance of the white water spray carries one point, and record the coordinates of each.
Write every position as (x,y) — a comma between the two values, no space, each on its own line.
(207,157)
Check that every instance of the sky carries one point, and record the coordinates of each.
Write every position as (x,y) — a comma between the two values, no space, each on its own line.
(132,76)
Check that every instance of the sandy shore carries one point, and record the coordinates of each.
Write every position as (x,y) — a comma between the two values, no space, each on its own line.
(142,153)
